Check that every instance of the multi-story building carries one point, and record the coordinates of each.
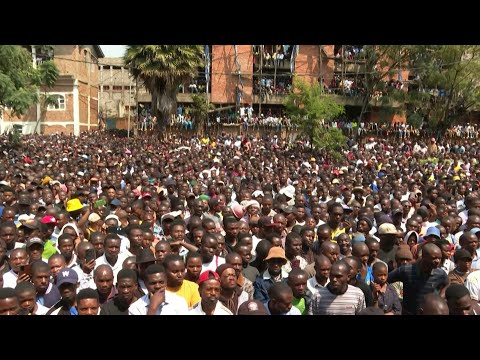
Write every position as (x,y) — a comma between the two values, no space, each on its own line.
(117,91)
(262,75)
(75,92)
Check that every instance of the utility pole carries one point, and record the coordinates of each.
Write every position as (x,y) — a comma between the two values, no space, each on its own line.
(207,79)
(34,59)
(129,106)
(321,71)
(135,127)
(261,72)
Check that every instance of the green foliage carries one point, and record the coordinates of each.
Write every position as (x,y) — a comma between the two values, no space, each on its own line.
(162,68)
(48,73)
(330,140)
(309,108)
(382,62)
(446,85)
(14,139)
(199,109)
(20,81)
(415,120)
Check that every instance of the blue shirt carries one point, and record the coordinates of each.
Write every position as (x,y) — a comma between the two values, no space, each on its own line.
(263,283)
(368,277)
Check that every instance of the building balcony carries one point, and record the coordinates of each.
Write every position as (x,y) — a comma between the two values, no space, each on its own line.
(349,67)
(144,97)
(270,99)
(358,101)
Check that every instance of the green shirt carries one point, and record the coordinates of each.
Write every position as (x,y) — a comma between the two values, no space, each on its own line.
(48,249)
(300,305)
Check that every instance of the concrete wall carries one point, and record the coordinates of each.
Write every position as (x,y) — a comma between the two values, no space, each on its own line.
(110,99)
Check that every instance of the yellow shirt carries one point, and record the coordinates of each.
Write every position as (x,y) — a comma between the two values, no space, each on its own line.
(336,232)
(189,291)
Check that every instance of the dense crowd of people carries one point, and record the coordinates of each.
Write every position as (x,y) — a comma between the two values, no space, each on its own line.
(222,225)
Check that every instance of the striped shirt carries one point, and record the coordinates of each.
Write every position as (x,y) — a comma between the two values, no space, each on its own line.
(325,303)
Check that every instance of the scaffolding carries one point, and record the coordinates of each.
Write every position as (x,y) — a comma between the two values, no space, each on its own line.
(239,88)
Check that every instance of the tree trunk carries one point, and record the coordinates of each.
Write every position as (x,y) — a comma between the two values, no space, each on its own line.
(450,96)
(364,105)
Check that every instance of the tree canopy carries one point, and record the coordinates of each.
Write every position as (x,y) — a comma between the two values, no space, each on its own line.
(310,109)
(20,81)
(162,68)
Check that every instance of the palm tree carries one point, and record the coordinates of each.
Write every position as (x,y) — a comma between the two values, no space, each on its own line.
(162,68)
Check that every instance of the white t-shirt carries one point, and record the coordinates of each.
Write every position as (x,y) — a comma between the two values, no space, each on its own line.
(174,305)
(220,309)
(10,279)
(473,285)
(212,265)
(41,310)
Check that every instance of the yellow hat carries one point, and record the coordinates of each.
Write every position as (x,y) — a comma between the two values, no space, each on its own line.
(73,205)
(46,180)
(456,178)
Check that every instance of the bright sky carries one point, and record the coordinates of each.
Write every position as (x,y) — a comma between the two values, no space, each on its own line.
(113,50)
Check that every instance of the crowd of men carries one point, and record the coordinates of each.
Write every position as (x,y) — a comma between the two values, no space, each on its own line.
(103,225)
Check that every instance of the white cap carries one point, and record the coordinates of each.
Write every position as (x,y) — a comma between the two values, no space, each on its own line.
(112,216)
(387,229)
(171,215)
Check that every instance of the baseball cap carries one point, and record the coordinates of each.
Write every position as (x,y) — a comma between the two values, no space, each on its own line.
(433,231)
(34,240)
(237,211)
(144,195)
(475,230)
(207,275)
(387,229)
(94,217)
(252,307)
(67,276)
(276,253)
(112,216)
(115,202)
(397,211)
(171,215)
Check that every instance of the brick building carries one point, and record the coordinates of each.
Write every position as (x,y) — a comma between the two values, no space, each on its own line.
(238,74)
(76,92)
